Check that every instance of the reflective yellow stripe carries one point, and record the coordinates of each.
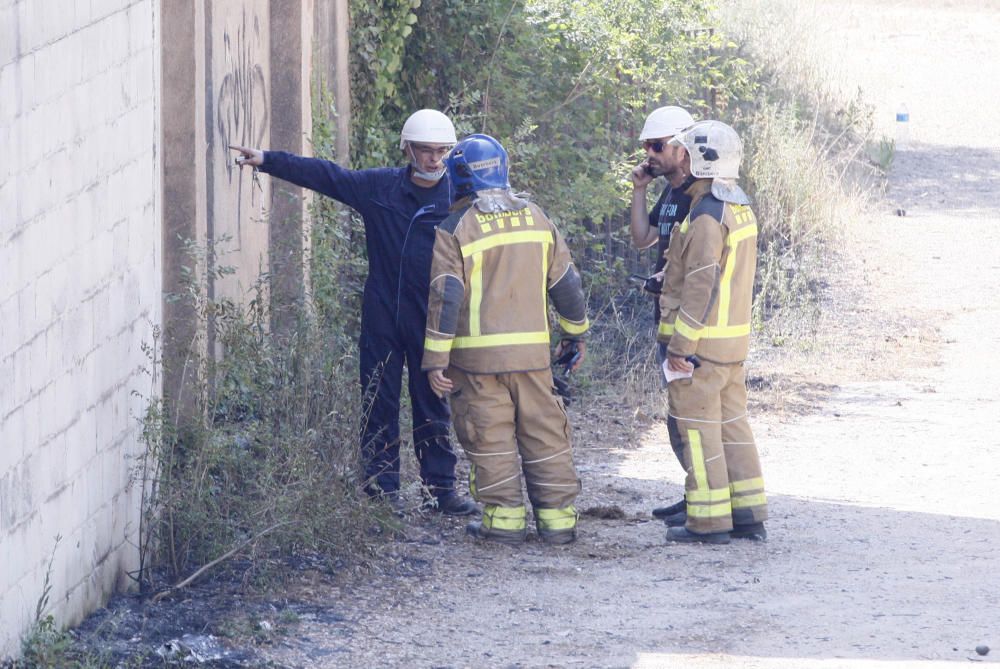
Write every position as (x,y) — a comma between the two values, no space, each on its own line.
(698,460)
(711,331)
(572,328)
(504,238)
(720,510)
(747,484)
(684,225)
(437,345)
(666,329)
(545,282)
(476,293)
(737,236)
(504,517)
(709,496)
(726,283)
(505,339)
(704,502)
(556,519)
(473,490)
(726,286)
(746,501)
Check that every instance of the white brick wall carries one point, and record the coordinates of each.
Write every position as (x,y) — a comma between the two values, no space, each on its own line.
(80,286)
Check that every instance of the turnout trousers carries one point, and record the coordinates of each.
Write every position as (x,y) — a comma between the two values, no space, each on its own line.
(512,424)
(383,352)
(724,485)
(676,443)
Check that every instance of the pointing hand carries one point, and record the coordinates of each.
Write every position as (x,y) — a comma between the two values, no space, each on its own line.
(252,157)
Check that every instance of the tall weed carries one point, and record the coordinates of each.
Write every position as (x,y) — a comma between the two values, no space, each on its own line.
(270,456)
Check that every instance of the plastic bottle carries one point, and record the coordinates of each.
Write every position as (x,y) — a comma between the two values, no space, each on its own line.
(902,127)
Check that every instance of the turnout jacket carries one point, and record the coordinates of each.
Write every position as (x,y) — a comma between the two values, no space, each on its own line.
(491,277)
(708,282)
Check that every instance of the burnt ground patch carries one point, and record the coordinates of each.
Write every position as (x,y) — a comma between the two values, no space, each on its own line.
(219,622)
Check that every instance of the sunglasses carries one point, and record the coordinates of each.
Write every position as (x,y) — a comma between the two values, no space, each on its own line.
(656,145)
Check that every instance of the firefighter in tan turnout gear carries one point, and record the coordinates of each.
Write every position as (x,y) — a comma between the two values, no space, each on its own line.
(497,261)
(705,324)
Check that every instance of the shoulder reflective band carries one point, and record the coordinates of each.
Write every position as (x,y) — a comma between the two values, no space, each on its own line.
(504,238)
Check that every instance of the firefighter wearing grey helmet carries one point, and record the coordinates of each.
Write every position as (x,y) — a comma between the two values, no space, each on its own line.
(715,150)
(705,325)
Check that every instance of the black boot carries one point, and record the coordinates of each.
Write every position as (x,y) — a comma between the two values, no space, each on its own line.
(558,536)
(677,520)
(663,511)
(683,535)
(511,537)
(452,504)
(751,531)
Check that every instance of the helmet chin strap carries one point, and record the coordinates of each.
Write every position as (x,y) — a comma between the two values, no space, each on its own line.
(426,176)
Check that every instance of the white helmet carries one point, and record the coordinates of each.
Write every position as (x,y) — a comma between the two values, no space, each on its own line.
(665,122)
(427,125)
(715,150)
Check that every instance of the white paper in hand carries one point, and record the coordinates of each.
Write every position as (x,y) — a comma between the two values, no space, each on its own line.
(671,375)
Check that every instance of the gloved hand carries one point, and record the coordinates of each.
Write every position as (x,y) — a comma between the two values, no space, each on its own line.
(569,354)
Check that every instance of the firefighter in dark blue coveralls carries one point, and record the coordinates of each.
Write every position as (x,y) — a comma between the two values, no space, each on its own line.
(654,227)
(401,208)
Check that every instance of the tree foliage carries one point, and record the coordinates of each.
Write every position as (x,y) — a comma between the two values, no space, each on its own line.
(563,85)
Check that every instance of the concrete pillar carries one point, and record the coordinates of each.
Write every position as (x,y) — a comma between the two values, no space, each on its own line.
(183,64)
(236,72)
(292,25)
(237,84)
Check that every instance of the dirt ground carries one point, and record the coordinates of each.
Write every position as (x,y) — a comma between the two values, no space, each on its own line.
(880,452)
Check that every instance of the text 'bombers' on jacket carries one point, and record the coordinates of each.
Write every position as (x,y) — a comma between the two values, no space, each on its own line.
(491,277)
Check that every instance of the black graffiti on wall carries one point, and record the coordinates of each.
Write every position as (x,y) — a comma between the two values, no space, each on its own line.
(242,108)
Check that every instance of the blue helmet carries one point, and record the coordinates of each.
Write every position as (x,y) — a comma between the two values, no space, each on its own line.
(476,163)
